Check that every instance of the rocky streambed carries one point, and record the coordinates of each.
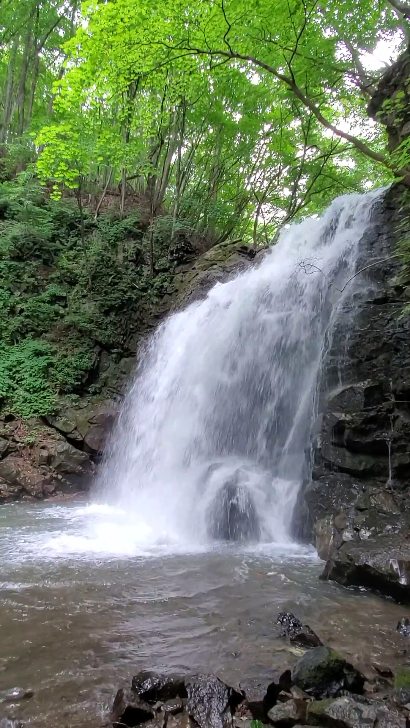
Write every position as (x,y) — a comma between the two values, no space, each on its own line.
(321,688)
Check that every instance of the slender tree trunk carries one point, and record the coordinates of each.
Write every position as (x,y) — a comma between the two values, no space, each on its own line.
(79,196)
(123,191)
(23,75)
(178,177)
(62,69)
(151,241)
(166,167)
(256,221)
(33,88)
(8,96)
(101,200)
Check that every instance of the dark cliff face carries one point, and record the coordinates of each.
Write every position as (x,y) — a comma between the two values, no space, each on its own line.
(390,104)
(361,450)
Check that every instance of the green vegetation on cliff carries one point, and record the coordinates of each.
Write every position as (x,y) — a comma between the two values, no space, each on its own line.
(61,303)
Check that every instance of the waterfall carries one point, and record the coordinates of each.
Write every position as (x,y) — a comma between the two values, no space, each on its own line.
(212,439)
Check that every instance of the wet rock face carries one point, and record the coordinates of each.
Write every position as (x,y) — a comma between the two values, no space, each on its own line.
(360,452)
(232,515)
(393,89)
(382,564)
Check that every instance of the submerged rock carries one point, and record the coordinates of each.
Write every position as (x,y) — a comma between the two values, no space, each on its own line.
(322,672)
(15,694)
(298,633)
(382,565)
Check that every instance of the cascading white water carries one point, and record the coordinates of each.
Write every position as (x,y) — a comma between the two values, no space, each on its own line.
(226,390)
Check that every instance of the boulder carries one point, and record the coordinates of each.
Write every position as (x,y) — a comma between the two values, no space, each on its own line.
(330,493)
(203,698)
(22,476)
(8,492)
(298,633)
(88,425)
(261,695)
(288,714)
(6,447)
(322,672)
(65,458)
(382,565)
(349,712)
(356,464)
(129,710)
(216,265)
(152,687)
(211,702)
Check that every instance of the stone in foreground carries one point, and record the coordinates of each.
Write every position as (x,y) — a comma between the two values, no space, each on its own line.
(348,712)
(129,710)
(152,687)
(288,714)
(210,701)
(322,672)
(202,700)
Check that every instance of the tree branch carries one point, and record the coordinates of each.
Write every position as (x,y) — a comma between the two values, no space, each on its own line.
(401,8)
(307,103)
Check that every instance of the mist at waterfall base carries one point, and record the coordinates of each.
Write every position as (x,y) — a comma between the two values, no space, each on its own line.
(225,394)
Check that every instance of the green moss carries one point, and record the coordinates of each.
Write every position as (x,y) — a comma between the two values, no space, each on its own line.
(402,678)
(316,709)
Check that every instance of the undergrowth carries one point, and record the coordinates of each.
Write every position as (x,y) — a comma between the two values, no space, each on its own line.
(60,303)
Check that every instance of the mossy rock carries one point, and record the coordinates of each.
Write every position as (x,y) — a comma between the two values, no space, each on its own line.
(323,673)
